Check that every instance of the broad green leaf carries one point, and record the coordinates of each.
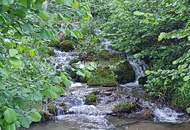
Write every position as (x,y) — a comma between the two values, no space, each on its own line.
(13,52)
(60,1)
(25,120)
(75,4)
(16,63)
(27,28)
(186,78)
(10,116)
(162,36)
(7,2)
(138,13)
(188,110)
(66,81)
(32,53)
(23,3)
(36,117)
(38,4)
(10,127)
(43,15)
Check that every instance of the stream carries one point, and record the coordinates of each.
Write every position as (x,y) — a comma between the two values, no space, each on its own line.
(80,116)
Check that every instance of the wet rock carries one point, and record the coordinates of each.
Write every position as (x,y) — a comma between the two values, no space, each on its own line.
(52,109)
(125,73)
(46,116)
(64,107)
(91,99)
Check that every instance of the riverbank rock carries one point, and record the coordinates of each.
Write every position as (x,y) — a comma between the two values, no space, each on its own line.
(103,77)
(126,107)
(125,73)
(52,109)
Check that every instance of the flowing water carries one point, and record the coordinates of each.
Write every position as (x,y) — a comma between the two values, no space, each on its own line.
(90,117)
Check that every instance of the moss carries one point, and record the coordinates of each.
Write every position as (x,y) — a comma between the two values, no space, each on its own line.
(52,109)
(125,73)
(125,108)
(64,46)
(105,55)
(91,99)
(103,77)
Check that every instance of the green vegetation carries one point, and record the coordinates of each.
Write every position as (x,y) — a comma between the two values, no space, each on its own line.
(156,32)
(91,99)
(125,107)
(27,29)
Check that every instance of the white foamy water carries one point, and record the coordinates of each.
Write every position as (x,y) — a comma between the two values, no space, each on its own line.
(166,114)
(62,59)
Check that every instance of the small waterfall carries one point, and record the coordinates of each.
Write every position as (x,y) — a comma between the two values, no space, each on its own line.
(94,117)
(139,67)
(62,59)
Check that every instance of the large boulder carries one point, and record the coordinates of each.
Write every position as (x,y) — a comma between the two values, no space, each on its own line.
(103,77)
(125,73)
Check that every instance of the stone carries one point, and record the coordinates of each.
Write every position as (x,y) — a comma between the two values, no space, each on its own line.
(103,77)
(125,107)
(125,73)
(91,99)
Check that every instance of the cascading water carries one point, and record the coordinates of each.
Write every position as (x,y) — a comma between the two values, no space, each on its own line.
(89,117)
(161,114)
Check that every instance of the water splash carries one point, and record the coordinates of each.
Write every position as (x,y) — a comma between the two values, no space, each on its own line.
(168,115)
(62,59)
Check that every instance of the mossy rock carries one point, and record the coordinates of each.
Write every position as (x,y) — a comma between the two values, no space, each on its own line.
(103,77)
(105,55)
(52,109)
(125,73)
(64,46)
(91,99)
(125,107)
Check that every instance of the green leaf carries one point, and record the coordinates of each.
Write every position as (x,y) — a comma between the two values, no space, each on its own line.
(13,52)
(16,63)
(75,4)
(66,81)
(38,4)
(186,78)
(36,117)
(27,28)
(23,3)
(10,116)
(10,127)
(60,1)
(43,15)
(138,13)
(80,73)
(32,53)
(188,110)
(7,2)
(162,36)
(25,120)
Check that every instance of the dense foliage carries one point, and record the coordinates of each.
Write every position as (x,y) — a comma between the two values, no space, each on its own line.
(156,31)
(27,27)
